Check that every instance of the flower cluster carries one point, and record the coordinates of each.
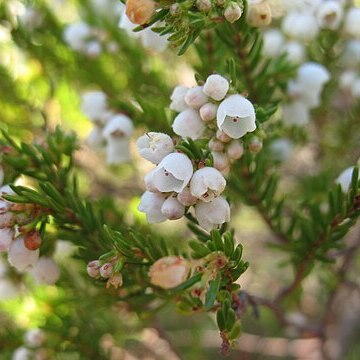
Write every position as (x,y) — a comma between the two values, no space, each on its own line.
(177,182)
(22,241)
(108,269)
(111,131)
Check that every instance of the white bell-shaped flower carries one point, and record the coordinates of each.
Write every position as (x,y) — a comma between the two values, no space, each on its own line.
(344,179)
(118,126)
(150,204)
(77,34)
(172,208)
(216,87)
(236,116)
(352,22)
(208,112)
(186,198)
(195,97)
(207,183)
(177,98)
(117,151)
(329,14)
(20,257)
(169,272)
(154,146)
(312,75)
(46,271)
(233,12)
(301,26)
(212,214)
(273,43)
(6,236)
(149,181)
(188,124)
(94,104)
(173,173)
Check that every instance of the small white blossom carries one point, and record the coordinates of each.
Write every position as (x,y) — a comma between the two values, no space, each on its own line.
(236,116)
(169,272)
(177,98)
(255,145)
(6,236)
(301,26)
(35,337)
(94,104)
(329,14)
(77,34)
(233,12)
(273,43)
(212,214)
(188,124)
(20,257)
(173,173)
(207,183)
(93,269)
(259,13)
(312,75)
(151,204)
(195,97)
(295,51)
(46,271)
(172,208)
(119,126)
(154,146)
(235,150)
(216,87)
(352,22)
(208,112)
(221,160)
(344,179)
(203,5)
(186,198)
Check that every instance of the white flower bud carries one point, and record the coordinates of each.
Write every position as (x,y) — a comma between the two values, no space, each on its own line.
(208,112)
(216,145)
(177,98)
(118,126)
(355,88)
(95,139)
(259,14)
(195,97)
(150,204)
(203,5)
(22,353)
(235,150)
(221,136)
(169,272)
(295,52)
(186,198)
(216,87)
(236,116)
(6,236)
(20,257)
(212,214)
(188,124)
(46,271)
(94,104)
(93,269)
(233,12)
(352,22)
(344,179)
(329,14)
(76,35)
(221,161)
(301,26)
(172,208)
(106,270)
(296,113)
(35,337)
(173,173)
(255,145)
(207,183)
(312,75)
(154,146)
(117,151)
(273,42)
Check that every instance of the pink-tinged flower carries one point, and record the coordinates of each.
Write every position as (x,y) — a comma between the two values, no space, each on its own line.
(154,146)
(212,215)
(94,104)
(6,236)
(169,272)
(186,198)
(216,87)
(235,150)
(195,97)
(172,208)
(188,124)
(46,271)
(173,173)
(151,204)
(93,269)
(236,116)
(207,183)
(208,112)
(106,270)
(20,257)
